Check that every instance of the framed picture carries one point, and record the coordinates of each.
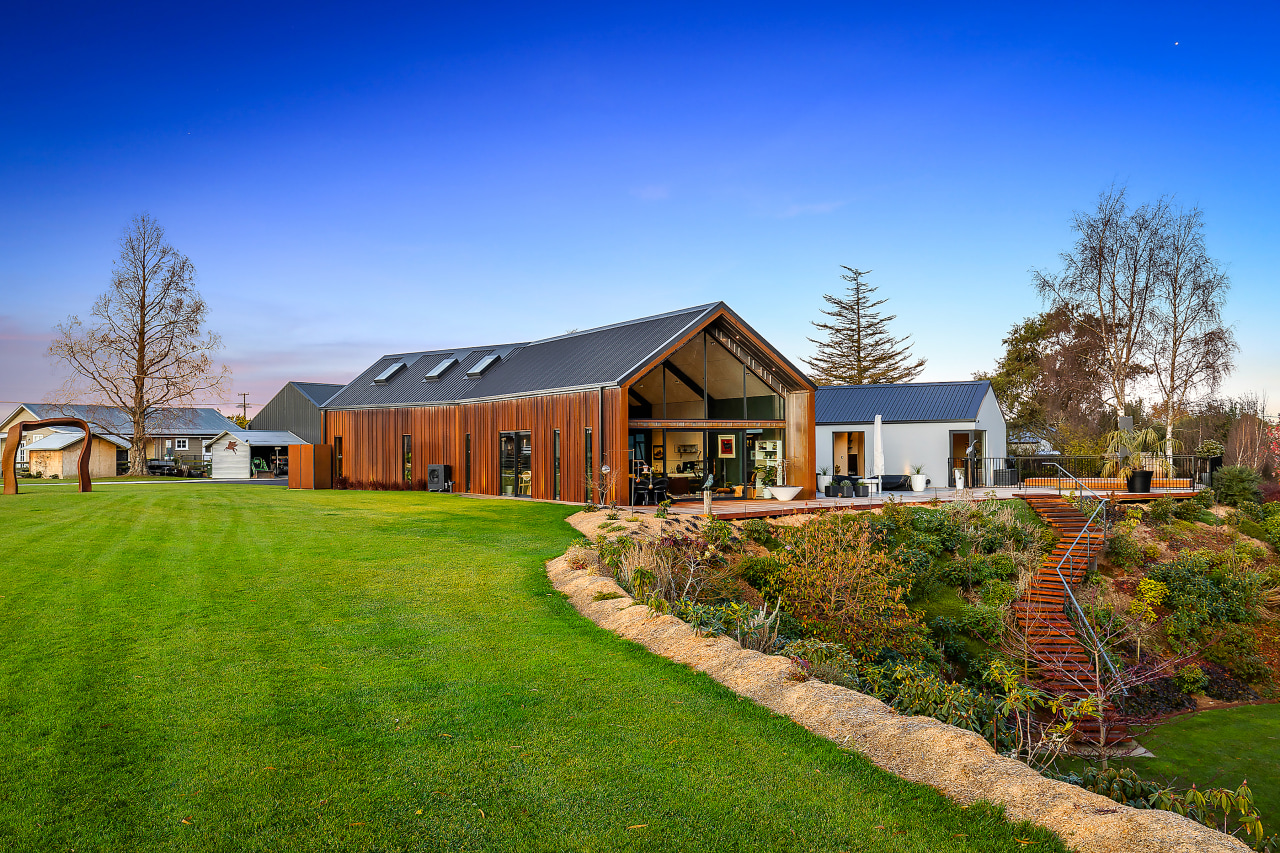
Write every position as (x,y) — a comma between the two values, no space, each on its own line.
(728,446)
(658,453)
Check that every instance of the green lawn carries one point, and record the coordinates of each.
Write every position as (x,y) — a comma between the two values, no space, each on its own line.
(247,668)
(1217,749)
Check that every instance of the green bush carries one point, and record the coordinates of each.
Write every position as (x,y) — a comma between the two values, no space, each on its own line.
(718,533)
(1235,484)
(1204,498)
(763,573)
(1187,510)
(1237,650)
(998,593)
(941,524)
(1162,509)
(1198,581)
(1183,630)
(758,531)
(1191,679)
(1123,552)
(982,621)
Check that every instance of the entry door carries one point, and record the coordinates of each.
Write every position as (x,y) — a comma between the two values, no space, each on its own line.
(959,447)
(515,454)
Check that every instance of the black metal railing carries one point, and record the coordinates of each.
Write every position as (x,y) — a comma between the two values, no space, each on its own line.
(1060,471)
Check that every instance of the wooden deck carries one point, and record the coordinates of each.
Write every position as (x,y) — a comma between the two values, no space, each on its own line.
(737,510)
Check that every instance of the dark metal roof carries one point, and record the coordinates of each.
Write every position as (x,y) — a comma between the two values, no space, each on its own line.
(593,358)
(317,392)
(901,403)
(175,421)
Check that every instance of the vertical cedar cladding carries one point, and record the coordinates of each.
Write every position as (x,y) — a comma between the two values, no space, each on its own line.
(373,450)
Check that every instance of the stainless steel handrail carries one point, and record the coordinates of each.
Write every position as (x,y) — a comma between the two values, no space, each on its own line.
(1097,644)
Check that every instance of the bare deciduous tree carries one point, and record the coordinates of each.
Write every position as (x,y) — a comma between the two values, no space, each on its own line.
(1189,348)
(1108,279)
(142,349)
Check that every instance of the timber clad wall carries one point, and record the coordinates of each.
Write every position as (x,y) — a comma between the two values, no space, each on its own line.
(371,439)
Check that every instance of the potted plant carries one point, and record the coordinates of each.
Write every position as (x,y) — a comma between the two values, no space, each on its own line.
(766,478)
(1133,456)
(824,478)
(918,479)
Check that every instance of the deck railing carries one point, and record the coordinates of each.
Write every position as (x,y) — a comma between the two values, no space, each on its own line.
(1060,471)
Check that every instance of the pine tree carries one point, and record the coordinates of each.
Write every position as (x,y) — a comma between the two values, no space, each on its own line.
(859,349)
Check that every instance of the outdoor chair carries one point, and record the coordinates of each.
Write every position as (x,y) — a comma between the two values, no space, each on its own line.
(659,490)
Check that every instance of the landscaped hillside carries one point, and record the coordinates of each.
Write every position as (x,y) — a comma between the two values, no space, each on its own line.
(228,668)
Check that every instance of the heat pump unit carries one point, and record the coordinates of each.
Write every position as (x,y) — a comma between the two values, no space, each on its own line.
(437,477)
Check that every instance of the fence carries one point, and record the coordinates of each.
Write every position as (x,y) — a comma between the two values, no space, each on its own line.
(1040,471)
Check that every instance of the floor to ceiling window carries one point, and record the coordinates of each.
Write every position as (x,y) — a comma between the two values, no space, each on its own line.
(515,459)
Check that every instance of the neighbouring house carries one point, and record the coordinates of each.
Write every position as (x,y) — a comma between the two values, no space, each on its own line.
(55,452)
(238,454)
(684,397)
(176,438)
(931,424)
(296,408)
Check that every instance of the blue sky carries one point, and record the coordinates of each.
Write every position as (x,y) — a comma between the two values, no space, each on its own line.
(358,179)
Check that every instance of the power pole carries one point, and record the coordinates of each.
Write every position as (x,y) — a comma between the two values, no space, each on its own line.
(244,405)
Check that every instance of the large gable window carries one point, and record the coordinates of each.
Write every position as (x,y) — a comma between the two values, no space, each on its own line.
(703,380)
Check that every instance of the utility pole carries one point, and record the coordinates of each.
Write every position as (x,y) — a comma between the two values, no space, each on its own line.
(244,405)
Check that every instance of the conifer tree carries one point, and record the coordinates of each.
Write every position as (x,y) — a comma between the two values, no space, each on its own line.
(858,349)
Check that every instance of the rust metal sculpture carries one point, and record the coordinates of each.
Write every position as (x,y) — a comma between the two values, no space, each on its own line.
(14,436)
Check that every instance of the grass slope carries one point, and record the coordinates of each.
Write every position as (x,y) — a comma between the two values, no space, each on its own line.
(1218,749)
(235,668)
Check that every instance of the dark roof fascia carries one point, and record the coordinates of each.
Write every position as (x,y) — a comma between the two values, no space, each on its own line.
(916,421)
(541,392)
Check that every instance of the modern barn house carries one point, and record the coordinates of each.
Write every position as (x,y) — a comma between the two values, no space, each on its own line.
(692,397)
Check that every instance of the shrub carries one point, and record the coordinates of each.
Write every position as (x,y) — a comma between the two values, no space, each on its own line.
(663,508)
(1198,582)
(1123,552)
(998,593)
(1162,509)
(718,534)
(942,526)
(1234,484)
(1237,650)
(1182,629)
(763,573)
(837,584)
(1187,510)
(982,621)
(758,531)
(1191,679)
(1204,498)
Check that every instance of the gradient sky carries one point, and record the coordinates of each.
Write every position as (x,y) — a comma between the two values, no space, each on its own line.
(357,179)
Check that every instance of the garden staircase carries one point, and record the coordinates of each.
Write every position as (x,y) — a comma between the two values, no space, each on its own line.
(1043,612)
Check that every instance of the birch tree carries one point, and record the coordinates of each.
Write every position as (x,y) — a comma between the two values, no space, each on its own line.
(143,348)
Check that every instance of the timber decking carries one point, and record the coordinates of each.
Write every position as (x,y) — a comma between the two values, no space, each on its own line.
(1068,665)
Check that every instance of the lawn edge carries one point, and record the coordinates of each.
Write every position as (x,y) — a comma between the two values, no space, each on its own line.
(957,763)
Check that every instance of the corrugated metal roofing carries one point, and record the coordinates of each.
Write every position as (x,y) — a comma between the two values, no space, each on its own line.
(318,392)
(175,421)
(902,403)
(260,437)
(60,440)
(595,357)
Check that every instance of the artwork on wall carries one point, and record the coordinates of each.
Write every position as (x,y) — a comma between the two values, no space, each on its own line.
(728,446)
(658,453)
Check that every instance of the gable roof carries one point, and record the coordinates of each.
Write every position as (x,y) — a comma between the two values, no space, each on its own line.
(61,439)
(593,358)
(900,403)
(258,437)
(317,392)
(175,421)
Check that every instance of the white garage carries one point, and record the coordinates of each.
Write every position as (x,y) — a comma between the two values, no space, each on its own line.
(242,454)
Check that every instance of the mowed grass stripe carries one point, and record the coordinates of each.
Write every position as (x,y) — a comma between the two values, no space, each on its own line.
(246,668)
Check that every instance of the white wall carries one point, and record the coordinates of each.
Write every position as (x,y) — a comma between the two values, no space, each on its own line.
(229,464)
(991,418)
(926,444)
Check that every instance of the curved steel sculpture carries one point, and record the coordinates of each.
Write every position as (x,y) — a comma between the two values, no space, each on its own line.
(11,451)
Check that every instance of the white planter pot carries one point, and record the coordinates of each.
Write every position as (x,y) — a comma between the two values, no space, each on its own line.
(918,481)
(786,493)
(823,481)
(765,494)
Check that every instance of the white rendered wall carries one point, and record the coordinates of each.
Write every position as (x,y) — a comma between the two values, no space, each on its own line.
(991,418)
(926,444)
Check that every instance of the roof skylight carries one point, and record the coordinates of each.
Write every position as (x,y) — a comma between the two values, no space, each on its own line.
(439,369)
(385,376)
(482,365)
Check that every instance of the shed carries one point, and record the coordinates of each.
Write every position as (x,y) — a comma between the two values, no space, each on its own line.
(296,408)
(931,424)
(57,453)
(239,454)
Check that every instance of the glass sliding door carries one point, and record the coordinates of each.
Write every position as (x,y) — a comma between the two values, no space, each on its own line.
(515,459)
